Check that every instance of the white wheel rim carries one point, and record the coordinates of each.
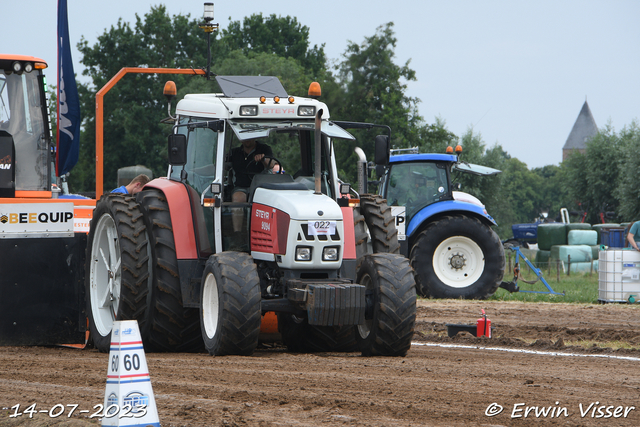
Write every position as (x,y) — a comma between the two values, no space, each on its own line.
(105,275)
(210,306)
(365,329)
(458,262)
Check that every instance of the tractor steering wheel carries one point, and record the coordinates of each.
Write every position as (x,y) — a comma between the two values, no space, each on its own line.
(278,163)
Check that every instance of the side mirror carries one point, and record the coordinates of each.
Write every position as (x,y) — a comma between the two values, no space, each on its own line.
(177,149)
(382,150)
(380,169)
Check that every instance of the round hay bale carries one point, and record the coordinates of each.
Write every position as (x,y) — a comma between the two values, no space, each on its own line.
(578,226)
(551,234)
(578,253)
(542,258)
(582,237)
(584,267)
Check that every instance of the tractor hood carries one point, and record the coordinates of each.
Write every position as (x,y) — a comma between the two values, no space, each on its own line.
(301,205)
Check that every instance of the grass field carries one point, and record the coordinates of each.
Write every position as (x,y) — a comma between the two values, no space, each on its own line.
(577,287)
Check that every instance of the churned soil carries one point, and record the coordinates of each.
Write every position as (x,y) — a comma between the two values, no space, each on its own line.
(546,364)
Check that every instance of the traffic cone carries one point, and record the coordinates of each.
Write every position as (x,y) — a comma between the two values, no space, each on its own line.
(128,397)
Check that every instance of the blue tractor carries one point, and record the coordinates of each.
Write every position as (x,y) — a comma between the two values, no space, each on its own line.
(446,234)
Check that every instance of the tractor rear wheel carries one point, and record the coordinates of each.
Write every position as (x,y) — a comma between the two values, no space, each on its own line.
(391,305)
(175,327)
(301,337)
(118,268)
(230,304)
(374,227)
(458,257)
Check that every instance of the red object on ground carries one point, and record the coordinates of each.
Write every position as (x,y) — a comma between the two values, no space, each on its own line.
(483,326)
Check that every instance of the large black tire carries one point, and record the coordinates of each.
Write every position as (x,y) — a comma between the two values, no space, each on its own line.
(230,313)
(458,257)
(391,305)
(117,275)
(175,328)
(301,337)
(380,223)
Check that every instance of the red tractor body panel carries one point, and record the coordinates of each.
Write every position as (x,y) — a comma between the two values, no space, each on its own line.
(349,233)
(269,229)
(181,216)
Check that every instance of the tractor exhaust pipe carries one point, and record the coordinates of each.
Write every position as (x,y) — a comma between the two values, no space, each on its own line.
(318,160)
(363,175)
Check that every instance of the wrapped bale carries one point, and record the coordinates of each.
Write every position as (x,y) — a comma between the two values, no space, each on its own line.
(578,226)
(578,253)
(551,234)
(584,267)
(582,237)
(542,258)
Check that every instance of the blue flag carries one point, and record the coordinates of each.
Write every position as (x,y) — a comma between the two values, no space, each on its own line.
(68,108)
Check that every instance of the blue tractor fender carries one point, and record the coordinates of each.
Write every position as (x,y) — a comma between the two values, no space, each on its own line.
(446,206)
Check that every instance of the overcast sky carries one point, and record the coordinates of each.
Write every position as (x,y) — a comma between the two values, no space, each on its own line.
(517,72)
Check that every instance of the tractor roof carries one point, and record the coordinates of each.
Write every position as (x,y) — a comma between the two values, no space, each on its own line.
(7,59)
(423,158)
(251,98)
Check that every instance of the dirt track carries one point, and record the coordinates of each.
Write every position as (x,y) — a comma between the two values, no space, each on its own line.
(433,385)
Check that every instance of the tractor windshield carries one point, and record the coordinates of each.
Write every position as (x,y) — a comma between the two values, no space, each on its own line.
(292,145)
(201,155)
(416,185)
(23,117)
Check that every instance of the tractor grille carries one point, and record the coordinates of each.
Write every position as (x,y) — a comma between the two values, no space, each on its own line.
(323,238)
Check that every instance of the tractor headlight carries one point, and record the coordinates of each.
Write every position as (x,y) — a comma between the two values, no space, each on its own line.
(330,253)
(306,110)
(303,253)
(249,110)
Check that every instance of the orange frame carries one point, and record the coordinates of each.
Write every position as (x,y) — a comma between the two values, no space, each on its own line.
(100,110)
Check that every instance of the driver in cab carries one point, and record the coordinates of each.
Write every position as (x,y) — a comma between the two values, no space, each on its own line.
(247,160)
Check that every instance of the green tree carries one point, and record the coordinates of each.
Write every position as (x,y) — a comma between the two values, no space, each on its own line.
(134,107)
(374,91)
(553,189)
(281,36)
(627,191)
(594,175)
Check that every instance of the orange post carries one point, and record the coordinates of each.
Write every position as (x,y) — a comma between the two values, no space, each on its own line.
(100,110)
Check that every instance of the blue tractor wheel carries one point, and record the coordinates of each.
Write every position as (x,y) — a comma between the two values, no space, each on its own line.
(458,257)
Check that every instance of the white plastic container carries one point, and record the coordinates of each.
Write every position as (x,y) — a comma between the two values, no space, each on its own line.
(618,275)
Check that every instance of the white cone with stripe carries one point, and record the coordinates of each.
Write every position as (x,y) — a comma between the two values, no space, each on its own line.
(128,397)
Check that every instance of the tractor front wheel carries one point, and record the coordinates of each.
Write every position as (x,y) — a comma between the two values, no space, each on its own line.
(230,311)
(390,315)
(458,257)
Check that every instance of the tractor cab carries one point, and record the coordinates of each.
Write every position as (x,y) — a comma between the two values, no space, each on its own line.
(279,204)
(25,136)
(417,181)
